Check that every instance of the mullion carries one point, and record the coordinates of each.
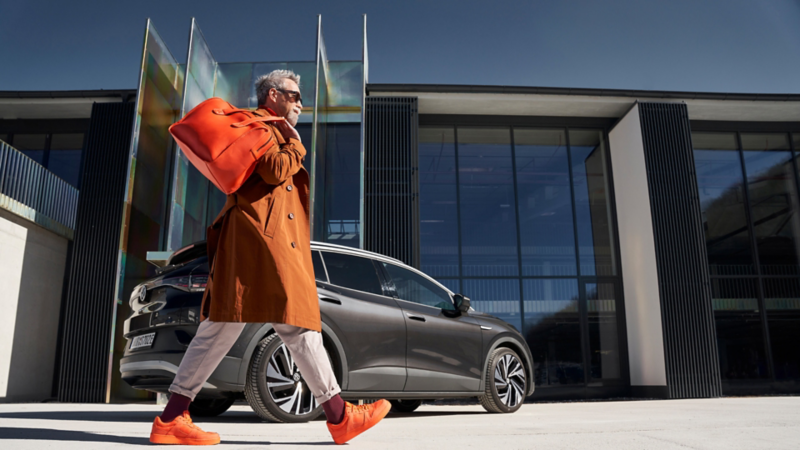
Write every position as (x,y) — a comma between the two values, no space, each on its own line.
(519,231)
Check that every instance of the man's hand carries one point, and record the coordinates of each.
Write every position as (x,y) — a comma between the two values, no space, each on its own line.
(288,131)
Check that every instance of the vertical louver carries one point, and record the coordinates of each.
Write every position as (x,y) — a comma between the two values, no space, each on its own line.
(684,286)
(391,178)
(88,313)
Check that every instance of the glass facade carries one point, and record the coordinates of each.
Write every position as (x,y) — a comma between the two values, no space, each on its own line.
(749,200)
(58,152)
(520,220)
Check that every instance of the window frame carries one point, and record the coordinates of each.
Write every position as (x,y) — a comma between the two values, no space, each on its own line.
(393,288)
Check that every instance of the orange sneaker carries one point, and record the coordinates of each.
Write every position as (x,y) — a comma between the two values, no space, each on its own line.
(181,431)
(358,419)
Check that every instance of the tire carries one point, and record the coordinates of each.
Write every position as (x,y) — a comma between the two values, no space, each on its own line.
(506,382)
(209,407)
(405,406)
(273,384)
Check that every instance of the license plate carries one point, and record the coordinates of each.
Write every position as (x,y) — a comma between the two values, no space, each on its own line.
(143,341)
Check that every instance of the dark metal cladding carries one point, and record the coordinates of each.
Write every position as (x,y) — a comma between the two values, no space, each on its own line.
(88,313)
(684,286)
(391,184)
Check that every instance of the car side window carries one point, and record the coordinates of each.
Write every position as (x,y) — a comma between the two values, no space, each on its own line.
(319,268)
(353,272)
(418,289)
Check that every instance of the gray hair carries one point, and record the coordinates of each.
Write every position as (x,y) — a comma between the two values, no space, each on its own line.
(273,80)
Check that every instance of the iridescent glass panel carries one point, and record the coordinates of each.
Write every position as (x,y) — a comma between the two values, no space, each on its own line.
(774,205)
(498,297)
(553,330)
(592,204)
(488,215)
(782,303)
(547,233)
(438,211)
(740,338)
(722,203)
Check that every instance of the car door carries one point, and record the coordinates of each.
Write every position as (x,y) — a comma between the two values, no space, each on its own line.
(369,323)
(443,347)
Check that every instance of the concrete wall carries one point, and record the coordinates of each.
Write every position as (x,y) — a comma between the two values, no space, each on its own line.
(637,254)
(32,263)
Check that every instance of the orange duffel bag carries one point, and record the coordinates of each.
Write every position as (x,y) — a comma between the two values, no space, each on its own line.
(224,142)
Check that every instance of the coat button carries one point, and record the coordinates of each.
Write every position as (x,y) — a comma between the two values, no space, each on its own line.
(291,216)
(294,245)
(289,187)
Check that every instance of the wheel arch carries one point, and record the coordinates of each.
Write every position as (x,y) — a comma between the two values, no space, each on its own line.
(507,341)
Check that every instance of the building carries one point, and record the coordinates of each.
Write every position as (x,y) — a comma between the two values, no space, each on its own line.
(645,243)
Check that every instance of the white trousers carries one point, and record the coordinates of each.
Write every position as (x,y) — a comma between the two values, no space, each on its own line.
(214,339)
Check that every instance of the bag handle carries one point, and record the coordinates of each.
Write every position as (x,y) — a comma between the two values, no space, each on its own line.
(258,118)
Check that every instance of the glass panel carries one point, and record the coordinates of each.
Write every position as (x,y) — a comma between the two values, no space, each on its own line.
(547,233)
(719,183)
(553,330)
(592,206)
(352,272)
(782,302)
(415,288)
(451,283)
(319,268)
(342,193)
(601,307)
(31,145)
(65,157)
(488,213)
(740,337)
(498,297)
(773,201)
(319,135)
(438,211)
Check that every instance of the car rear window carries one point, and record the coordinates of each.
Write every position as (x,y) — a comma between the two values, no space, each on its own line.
(352,272)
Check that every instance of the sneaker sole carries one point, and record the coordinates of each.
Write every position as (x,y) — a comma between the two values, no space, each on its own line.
(174,440)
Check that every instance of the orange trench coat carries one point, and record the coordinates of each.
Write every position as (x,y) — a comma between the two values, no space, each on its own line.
(259,246)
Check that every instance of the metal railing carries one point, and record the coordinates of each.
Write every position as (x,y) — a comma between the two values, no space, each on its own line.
(33,192)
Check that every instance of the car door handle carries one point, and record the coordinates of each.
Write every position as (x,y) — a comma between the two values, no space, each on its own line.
(413,317)
(335,301)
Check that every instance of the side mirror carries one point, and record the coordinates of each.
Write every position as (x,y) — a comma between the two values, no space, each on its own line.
(462,303)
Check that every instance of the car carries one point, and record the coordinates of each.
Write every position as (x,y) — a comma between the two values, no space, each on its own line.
(390,331)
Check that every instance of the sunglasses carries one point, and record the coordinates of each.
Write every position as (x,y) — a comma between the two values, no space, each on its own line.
(293,95)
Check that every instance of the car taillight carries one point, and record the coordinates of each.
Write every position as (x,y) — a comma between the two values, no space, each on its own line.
(182,283)
(198,283)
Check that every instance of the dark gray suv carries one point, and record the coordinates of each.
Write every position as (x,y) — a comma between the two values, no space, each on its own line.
(390,330)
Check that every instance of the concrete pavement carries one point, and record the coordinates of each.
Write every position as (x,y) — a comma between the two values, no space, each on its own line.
(726,423)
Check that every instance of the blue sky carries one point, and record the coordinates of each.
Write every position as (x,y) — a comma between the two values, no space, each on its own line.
(689,45)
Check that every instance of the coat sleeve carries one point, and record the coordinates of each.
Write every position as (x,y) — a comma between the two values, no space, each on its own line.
(281,162)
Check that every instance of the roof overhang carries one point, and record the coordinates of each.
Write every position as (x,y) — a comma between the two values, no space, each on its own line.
(56,104)
(509,101)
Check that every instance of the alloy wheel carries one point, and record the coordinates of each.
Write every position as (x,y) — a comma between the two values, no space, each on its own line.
(509,380)
(286,386)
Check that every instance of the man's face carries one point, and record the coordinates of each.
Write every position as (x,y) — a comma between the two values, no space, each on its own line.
(285,103)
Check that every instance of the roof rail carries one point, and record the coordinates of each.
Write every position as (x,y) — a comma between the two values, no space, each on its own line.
(353,249)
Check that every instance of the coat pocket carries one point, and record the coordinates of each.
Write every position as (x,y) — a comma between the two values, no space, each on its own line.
(275,213)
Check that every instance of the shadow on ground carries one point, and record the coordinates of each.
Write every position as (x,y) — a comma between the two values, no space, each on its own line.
(39,434)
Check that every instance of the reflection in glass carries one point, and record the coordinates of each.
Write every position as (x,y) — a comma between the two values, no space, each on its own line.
(498,297)
(31,145)
(719,183)
(415,288)
(438,227)
(740,338)
(488,215)
(65,156)
(782,302)
(450,283)
(601,307)
(773,201)
(553,330)
(343,189)
(592,205)
(545,204)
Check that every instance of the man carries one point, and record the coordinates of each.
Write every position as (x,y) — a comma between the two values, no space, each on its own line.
(261,271)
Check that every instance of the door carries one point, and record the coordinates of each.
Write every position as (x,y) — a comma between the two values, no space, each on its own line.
(369,324)
(444,348)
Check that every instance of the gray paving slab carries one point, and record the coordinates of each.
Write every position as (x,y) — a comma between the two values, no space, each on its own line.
(726,423)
